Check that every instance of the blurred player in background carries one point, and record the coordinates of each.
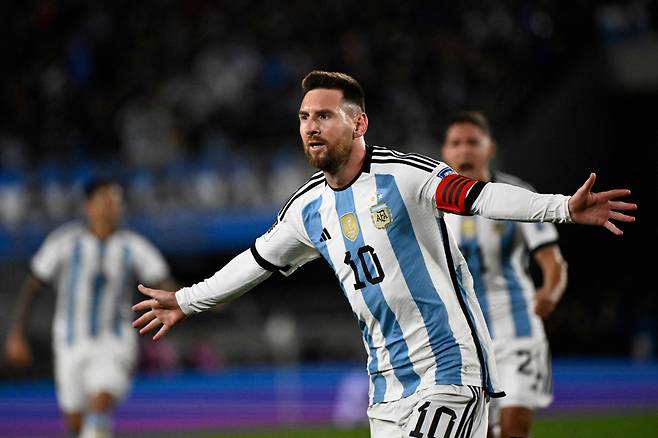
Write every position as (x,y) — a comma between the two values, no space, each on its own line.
(93,267)
(376,217)
(497,256)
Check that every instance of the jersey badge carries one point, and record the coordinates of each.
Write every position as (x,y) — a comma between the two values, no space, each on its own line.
(349,225)
(381,215)
(499,227)
(445,172)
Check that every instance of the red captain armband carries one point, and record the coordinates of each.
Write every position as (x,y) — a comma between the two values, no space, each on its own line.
(451,194)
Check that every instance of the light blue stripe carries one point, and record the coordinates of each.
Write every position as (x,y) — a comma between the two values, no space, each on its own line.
(414,270)
(313,225)
(472,252)
(374,298)
(518,304)
(485,363)
(378,381)
(99,283)
(74,274)
(125,271)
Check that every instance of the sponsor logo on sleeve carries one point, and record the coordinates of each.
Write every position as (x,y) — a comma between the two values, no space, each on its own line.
(445,172)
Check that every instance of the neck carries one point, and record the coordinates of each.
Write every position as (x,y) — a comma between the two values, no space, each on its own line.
(101,230)
(351,168)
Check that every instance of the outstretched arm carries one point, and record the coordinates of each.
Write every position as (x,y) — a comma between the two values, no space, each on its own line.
(506,202)
(17,348)
(169,308)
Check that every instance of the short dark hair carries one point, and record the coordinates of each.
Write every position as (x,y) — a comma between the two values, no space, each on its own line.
(476,118)
(331,80)
(94,185)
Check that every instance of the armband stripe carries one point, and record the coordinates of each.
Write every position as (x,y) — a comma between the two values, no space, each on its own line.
(444,191)
(458,193)
(454,190)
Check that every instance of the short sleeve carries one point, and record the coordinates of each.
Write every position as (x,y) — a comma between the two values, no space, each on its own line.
(150,266)
(538,234)
(283,248)
(45,262)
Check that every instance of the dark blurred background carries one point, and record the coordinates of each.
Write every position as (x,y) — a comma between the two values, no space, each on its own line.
(192,105)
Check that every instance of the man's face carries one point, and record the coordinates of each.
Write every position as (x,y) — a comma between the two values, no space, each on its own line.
(106,205)
(468,150)
(326,125)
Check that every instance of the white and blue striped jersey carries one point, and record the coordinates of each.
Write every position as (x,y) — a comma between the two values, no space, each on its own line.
(497,253)
(398,267)
(94,280)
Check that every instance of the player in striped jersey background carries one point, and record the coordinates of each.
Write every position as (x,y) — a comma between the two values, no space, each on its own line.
(497,256)
(376,216)
(92,266)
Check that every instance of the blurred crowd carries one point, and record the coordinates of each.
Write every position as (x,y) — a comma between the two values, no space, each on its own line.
(192,104)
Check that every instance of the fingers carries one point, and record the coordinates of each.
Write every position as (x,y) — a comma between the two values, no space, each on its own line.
(150,326)
(587,186)
(613,228)
(163,331)
(147,317)
(145,305)
(624,206)
(147,291)
(621,217)
(615,193)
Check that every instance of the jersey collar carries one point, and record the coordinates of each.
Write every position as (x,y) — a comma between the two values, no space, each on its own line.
(365,168)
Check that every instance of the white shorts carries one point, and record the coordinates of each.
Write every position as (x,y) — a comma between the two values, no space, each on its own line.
(449,411)
(87,368)
(524,369)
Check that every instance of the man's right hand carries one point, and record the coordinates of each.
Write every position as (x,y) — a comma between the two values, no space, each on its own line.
(18,350)
(161,309)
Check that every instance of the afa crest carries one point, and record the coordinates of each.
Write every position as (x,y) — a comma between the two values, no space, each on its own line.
(381,215)
(350,226)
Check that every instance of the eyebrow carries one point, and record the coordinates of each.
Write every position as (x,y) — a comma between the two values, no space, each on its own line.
(322,110)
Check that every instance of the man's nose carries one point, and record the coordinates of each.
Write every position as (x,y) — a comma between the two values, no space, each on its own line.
(312,127)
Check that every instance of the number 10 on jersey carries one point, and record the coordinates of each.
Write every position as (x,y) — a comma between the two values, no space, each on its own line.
(362,254)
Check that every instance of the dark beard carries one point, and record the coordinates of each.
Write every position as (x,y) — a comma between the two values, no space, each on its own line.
(331,162)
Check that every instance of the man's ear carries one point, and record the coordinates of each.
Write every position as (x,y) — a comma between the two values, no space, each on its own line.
(360,126)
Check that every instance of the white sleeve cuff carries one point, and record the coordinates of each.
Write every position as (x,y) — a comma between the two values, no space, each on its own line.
(237,277)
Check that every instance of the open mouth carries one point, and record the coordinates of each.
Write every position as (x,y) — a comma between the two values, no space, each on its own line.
(315,144)
(465,167)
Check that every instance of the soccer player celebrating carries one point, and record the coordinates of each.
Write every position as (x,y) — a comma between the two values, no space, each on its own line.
(91,266)
(497,256)
(376,216)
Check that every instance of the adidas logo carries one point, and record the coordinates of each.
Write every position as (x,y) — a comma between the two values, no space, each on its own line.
(325,235)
